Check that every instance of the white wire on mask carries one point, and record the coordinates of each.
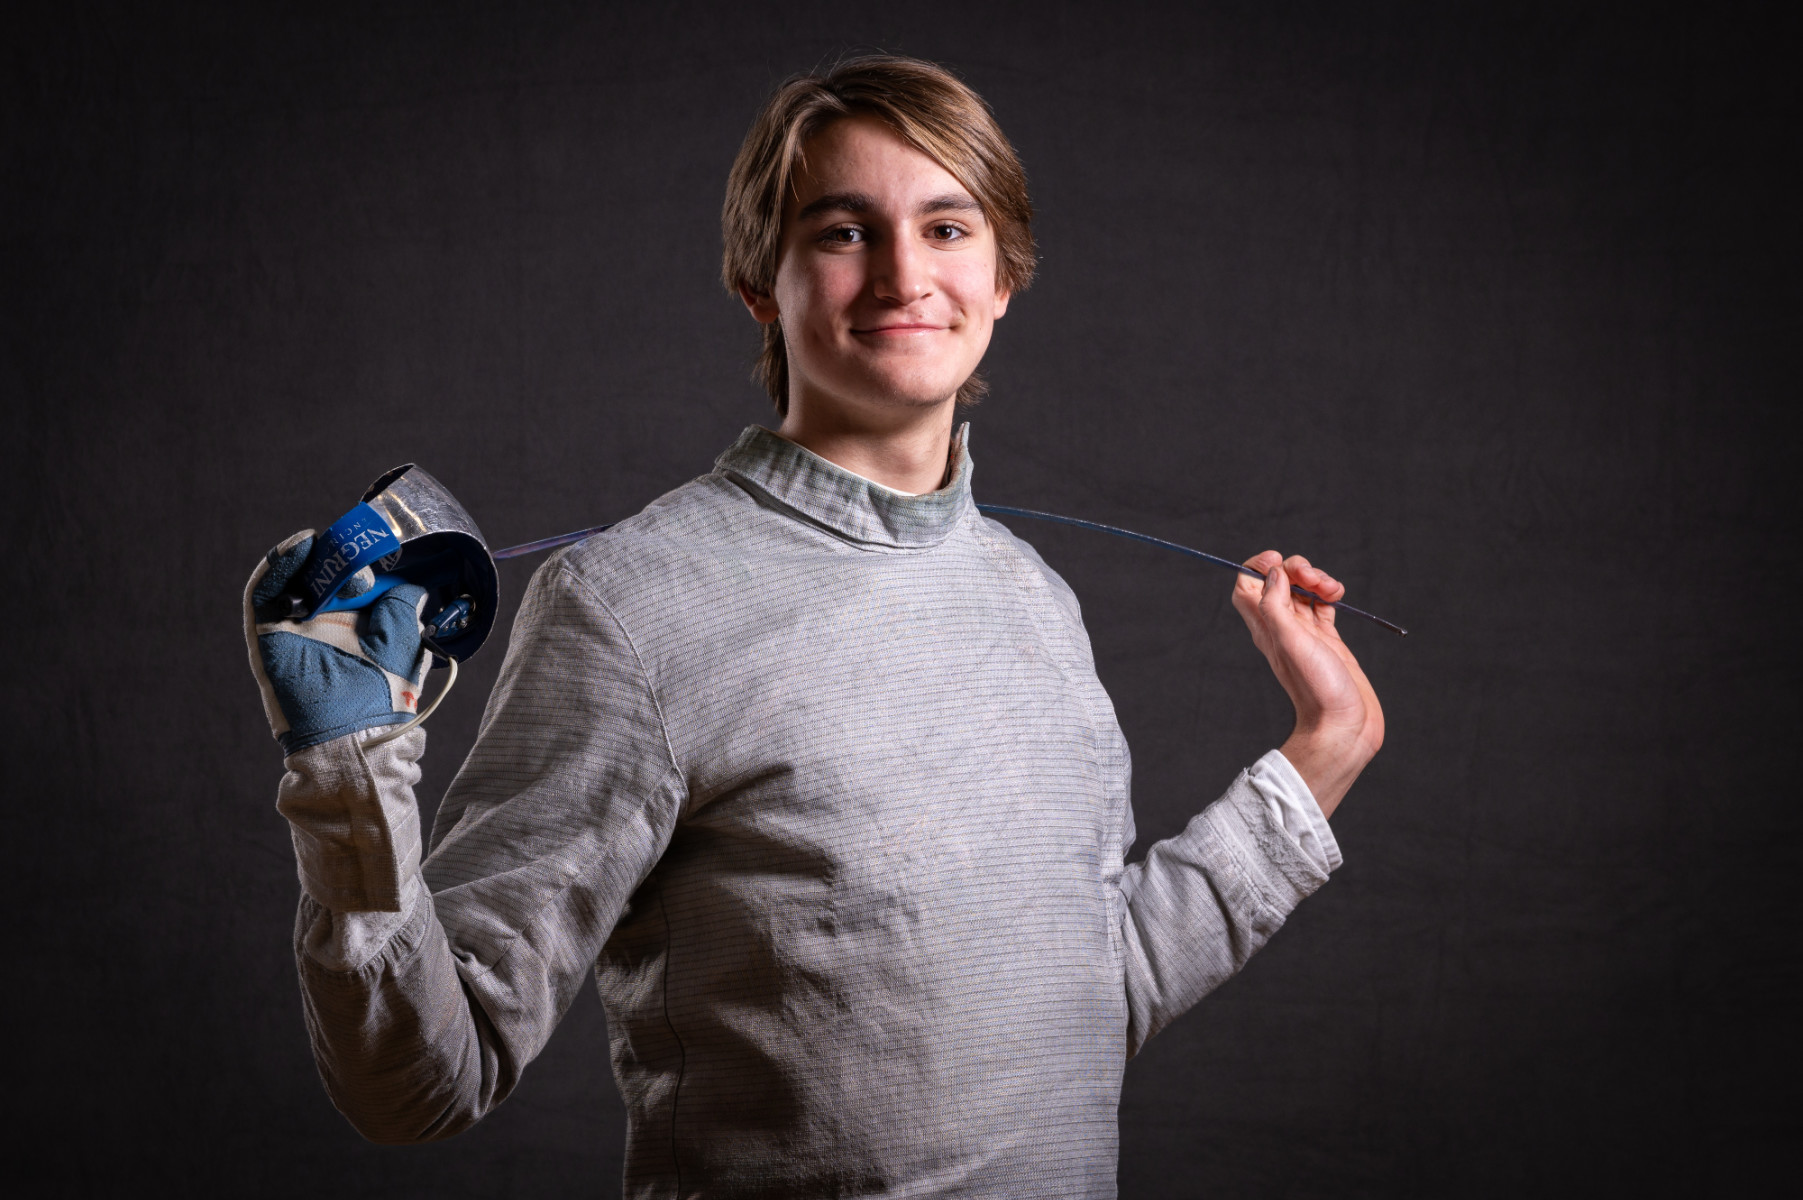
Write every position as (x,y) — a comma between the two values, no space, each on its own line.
(431,708)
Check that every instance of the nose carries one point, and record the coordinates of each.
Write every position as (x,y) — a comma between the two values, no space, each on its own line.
(901,271)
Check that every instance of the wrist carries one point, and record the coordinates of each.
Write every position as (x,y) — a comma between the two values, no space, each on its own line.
(1330,758)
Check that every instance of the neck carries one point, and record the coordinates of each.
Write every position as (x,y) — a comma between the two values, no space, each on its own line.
(906,451)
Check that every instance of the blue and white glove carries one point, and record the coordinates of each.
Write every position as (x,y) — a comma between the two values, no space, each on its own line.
(339,672)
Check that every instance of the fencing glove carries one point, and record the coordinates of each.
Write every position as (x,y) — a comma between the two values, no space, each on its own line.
(340,671)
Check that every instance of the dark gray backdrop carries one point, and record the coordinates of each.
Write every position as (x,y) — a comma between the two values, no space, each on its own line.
(1494,314)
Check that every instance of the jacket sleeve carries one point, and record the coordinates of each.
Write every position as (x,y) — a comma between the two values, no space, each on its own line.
(427,988)
(1203,902)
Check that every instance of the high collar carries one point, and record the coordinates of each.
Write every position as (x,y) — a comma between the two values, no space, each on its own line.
(848,504)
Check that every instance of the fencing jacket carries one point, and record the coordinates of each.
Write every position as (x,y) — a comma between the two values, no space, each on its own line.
(819,781)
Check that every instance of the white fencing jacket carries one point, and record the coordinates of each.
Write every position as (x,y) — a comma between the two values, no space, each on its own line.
(819,781)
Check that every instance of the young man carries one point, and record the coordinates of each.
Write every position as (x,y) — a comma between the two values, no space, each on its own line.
(808,761)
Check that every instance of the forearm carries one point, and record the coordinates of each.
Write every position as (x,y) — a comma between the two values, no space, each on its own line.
(405,1052)
(1203,902)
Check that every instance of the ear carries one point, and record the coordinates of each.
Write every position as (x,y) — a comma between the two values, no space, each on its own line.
(1001,302)
(762,307)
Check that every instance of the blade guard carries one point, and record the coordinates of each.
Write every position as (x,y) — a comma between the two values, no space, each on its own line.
(408,529)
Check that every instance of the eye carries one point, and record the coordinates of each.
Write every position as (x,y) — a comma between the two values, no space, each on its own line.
(843,235)
(945,231)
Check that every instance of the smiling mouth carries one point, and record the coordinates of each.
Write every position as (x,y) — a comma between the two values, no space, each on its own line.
(901,329)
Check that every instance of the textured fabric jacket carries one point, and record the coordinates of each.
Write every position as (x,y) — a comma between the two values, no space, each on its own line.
(820,782)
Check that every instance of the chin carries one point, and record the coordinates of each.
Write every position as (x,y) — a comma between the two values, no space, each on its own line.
(911,398)
(911,389)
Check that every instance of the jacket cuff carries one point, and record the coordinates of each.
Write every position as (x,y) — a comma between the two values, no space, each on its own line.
(1296,808)
(1274,863)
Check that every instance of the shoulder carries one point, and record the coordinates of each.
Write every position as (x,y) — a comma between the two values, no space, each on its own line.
(1026,562)
(672,548)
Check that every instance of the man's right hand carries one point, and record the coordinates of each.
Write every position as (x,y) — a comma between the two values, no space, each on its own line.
(338,672)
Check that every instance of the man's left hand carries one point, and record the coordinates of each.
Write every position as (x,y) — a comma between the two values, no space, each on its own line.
(1339,723)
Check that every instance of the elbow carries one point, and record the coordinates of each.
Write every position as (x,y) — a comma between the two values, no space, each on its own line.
(398,1127)
(377,1136)
(390,1111)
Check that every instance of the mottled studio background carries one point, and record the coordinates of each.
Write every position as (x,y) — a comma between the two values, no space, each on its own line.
(1492,311)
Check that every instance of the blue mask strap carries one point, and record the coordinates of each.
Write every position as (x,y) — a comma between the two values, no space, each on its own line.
(360,538)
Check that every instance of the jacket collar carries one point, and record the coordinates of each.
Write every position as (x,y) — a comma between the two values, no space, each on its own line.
(857,509)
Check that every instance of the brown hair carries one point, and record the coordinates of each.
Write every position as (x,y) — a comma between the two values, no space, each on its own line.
(932,111)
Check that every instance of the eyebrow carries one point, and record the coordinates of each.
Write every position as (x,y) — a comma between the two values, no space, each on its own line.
(950,202)
(858,202)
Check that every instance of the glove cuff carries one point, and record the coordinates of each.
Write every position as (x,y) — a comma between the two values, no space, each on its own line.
(293,740)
